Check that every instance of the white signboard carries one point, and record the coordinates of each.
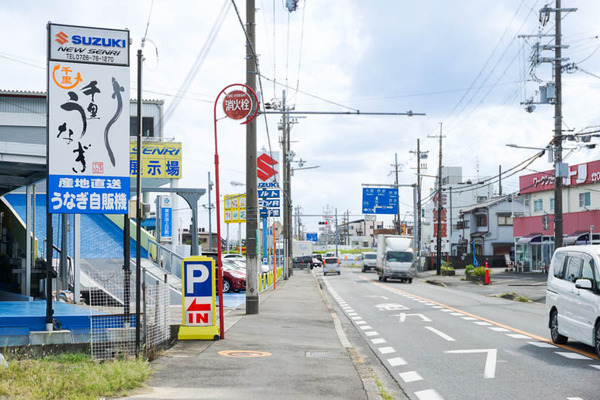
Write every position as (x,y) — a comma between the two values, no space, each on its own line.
(88,45)
(88,133)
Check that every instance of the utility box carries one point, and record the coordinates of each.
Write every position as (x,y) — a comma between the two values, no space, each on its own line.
(548,93)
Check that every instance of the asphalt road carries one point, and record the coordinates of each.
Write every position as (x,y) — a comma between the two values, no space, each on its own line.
(436,342)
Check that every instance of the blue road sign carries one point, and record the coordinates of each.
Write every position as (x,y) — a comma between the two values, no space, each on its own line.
(313,237)
(380,201)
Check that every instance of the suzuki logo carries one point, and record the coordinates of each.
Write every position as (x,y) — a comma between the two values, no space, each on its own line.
(62,37)
(265,167)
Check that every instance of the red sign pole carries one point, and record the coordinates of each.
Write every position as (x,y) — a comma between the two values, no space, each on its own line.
(235,107)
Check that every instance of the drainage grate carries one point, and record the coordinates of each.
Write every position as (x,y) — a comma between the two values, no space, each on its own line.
(326,354)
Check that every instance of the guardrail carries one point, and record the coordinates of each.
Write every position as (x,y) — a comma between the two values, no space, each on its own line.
(165,258)
(266,280)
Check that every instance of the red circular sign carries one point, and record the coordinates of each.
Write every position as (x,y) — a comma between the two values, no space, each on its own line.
(237,104)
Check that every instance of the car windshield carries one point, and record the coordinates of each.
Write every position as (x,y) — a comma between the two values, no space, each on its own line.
(399,256)
(370,256)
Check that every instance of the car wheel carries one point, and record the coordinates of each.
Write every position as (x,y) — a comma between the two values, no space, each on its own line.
(557,337)
(597,344)
(385,279)
(364,270)
(410,280)
(379,278)
(339,272)
(226,286)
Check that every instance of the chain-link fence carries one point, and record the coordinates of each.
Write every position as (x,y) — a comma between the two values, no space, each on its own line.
(113,318)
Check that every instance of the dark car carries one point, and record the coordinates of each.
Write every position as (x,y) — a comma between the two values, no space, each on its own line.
(303,262)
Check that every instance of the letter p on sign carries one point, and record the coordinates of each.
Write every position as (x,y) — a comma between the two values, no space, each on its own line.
(196,273)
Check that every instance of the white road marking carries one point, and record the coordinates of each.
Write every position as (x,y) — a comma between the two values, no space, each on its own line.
(386,350)
(482,323)
(542,344)
(404,315)
(572,356)
(428,394)
(378,341)
(359,322)
(391,307)
(574,398)
(490,362)
(437,307)
(441,334)
(518,336)
(498,329)
(383,297)
(352,313)
(340,331)
(469,318)
(446,310)
(595,366)
(428,304)
(458,314)
(371,333)
(410,376)
(356,318)
(365,327)
(396,361)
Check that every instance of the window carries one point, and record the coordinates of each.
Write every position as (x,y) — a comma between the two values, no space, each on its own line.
(587,272)
(147,126)
(573,268)
(584,199)
(558,265)
(504,220)
(481,220)
(399,256)
(538,205)
(552,204)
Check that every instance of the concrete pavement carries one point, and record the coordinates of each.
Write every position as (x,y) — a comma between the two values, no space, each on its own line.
(295,348)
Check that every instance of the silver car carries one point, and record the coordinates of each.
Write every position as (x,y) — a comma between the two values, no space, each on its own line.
(331,265)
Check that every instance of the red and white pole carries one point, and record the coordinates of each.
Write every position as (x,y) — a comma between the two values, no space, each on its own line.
(487,274)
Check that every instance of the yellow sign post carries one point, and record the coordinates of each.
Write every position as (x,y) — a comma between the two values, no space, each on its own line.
(199,304)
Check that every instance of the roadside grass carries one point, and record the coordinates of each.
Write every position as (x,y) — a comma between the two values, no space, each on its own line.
(71,376)
(385,395)
(514,296)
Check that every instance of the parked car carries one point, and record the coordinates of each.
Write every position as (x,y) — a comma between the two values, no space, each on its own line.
(303,262)
(331,265)
(369,261)
(234,278)
(235,256)
(573,295)
(316,262)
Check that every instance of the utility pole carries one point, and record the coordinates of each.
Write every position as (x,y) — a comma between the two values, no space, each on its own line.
(418,201)
(396,167)
(209,215)
(251,185)
(558,204)
(287,215)
(439,209)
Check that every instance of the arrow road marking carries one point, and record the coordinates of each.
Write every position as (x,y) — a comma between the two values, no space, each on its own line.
(404,315)
(439,333)
(383,297)
(490,362)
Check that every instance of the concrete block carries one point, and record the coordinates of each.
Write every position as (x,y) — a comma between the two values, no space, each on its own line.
(37,338)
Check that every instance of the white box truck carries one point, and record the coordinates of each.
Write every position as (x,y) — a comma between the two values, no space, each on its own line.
(302,248)
(395,258)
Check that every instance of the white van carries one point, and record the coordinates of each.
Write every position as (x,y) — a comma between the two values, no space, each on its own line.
(573,295)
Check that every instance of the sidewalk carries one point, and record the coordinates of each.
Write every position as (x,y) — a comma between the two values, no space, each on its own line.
(290,350)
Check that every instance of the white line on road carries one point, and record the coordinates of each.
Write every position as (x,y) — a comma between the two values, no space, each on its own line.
(428,394)
(542,344)
(498,329)
(359,322)
(446,310)
(356,318)
(365,327)
(574,398)
(383,297)
(441,334)
(482,323)
(386,350)
(410,376)
(371,333)
(490,362)
(378,341)
(469,318)
(595,366)
(572,356)
(396,361)
(458,314)
(404,315)
(518,336)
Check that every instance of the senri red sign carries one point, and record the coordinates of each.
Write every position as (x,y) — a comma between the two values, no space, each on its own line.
(580,174)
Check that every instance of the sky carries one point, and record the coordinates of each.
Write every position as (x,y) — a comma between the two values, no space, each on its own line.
(461,63)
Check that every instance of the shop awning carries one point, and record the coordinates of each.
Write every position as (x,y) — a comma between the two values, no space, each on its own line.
(535,238)
(574,237)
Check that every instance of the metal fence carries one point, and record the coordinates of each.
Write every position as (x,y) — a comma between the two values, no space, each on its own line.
(113,319)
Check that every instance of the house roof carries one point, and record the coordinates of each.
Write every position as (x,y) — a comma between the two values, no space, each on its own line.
(485,204)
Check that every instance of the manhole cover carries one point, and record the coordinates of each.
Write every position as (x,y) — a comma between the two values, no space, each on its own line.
(244,353)
(326,354)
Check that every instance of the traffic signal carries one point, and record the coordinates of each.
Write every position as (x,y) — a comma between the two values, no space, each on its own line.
(322,222)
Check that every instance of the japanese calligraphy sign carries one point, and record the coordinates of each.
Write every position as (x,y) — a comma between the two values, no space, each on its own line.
(159,159)
(235,208)
(88,120)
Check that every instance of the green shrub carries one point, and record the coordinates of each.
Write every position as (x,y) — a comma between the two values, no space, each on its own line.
(469,269)
(479,271)
(446,266)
